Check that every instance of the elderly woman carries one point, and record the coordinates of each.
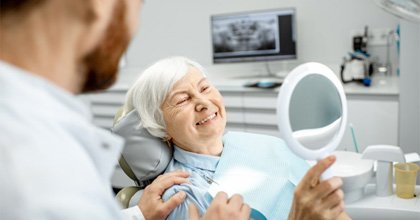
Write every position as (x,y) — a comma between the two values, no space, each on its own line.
(176,102)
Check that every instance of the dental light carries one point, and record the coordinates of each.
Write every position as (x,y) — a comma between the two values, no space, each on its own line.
(407,9)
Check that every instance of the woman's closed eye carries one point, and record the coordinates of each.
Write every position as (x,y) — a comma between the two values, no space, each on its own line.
(182,100)
(205,89)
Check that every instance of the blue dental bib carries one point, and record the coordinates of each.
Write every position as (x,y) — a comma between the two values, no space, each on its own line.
(262,169)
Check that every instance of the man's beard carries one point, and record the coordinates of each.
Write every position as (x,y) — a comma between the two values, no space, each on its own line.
(101,65)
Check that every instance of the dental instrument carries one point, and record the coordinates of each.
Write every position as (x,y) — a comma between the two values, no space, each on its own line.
(356,146)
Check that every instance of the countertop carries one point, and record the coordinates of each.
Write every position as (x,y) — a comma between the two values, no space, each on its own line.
(380,86)
(384,208)
(386,86)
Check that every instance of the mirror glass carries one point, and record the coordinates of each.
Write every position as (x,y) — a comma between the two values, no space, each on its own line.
(312,111)
(315,111)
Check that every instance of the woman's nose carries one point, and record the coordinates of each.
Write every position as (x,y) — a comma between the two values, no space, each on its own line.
(201,105)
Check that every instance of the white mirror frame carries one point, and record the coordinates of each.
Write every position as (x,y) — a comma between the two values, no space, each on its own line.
(283,102)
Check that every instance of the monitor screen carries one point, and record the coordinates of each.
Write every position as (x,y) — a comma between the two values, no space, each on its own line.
(254,36)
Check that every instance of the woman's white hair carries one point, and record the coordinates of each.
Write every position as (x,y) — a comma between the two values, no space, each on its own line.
(150,90)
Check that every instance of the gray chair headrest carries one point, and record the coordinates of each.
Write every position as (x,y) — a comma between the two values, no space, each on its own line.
(148,156)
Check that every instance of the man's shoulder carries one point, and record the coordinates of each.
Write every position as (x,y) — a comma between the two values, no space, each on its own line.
(29,127)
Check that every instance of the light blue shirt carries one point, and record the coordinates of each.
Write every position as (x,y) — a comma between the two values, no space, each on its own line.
(54,163)
(200,167)
(281,169)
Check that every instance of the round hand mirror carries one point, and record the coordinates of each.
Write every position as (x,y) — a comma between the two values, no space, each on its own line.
(312,112)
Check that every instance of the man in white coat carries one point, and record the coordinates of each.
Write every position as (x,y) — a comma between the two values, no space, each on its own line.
(54,163)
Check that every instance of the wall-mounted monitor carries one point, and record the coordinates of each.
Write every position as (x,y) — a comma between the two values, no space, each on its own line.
(254,36)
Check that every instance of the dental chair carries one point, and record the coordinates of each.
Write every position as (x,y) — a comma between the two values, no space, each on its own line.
(143,157)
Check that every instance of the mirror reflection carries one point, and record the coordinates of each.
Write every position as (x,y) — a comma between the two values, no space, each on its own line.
(315,111)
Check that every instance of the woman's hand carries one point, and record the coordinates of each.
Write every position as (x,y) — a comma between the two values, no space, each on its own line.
(315,199)
(151,203)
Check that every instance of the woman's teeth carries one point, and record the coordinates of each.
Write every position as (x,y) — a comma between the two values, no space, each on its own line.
(210,117)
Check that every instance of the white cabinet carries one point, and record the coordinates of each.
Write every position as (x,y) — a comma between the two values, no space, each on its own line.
(374,118)
(234,110)
(256,112)
(104,105)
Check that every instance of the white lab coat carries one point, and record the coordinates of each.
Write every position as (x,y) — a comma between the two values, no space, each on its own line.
(54,163)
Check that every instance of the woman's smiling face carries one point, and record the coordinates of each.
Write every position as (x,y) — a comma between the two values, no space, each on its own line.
(194,114)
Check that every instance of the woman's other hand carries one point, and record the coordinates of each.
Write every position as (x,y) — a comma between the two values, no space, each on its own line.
(315,199)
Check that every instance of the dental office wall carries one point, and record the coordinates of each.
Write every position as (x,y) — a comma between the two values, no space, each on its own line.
(182,27)
(410,87)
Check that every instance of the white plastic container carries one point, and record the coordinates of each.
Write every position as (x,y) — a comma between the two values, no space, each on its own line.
(355,173)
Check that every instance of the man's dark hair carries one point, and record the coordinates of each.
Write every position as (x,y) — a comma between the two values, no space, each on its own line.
(17,6)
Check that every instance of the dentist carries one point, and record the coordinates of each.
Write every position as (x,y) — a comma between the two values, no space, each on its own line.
(54,163)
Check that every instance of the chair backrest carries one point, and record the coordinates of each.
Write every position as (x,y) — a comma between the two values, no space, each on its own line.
(144,156)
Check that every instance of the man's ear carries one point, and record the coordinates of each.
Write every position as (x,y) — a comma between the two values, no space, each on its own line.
(96,18)
(89,11)
(102,9)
